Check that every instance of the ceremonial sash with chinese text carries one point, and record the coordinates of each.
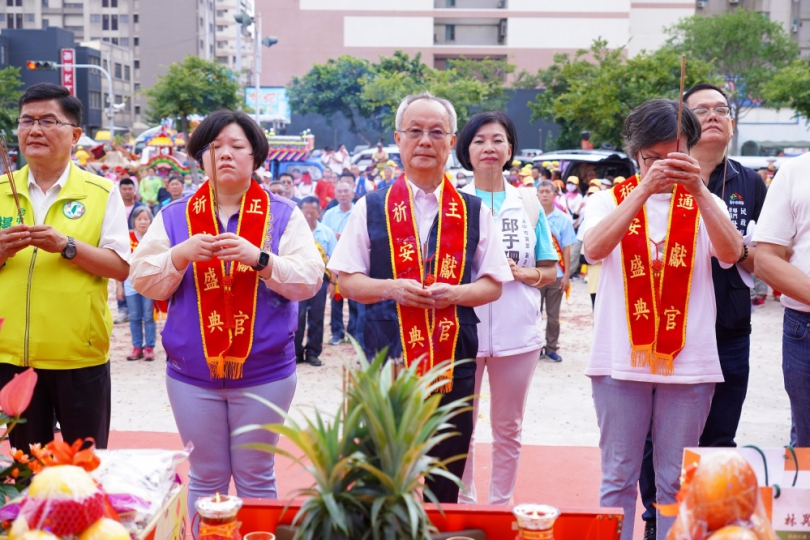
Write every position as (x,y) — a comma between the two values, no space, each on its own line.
(428,336)
(226,301)
(160,307)
(657,306)
(557,248)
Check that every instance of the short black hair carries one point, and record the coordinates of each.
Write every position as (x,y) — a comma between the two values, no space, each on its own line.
(126,182)
(309,200)
(704,86)
(286,174)
(70,104)
(475,123)
(210,128)
(174,178)
(346,174)
(656,121)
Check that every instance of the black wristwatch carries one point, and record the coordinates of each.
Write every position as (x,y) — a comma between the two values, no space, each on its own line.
(744,255)
(70,249)
(264,260)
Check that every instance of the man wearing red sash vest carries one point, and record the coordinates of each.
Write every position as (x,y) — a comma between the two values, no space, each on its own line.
(422,256)
(654,360)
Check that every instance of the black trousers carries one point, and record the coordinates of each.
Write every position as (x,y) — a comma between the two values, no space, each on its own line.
(445,490)
(79,399)
(310,320)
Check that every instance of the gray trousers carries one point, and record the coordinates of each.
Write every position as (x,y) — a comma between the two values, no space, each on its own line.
(576,251)
(550,299)
(625,410)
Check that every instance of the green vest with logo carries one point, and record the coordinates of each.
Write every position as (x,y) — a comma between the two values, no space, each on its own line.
(56,313)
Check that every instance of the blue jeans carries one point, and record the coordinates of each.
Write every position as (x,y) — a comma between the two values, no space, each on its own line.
(310,320)
(357,320)
(208,416)
(141,317)
(625,410)
(796,370)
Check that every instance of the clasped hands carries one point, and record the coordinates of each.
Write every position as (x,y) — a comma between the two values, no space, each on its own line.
(18,237)
(410,292)
(227,247)
(676,168)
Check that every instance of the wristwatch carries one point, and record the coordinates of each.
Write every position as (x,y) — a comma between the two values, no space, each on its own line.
(264,260)
(70,249)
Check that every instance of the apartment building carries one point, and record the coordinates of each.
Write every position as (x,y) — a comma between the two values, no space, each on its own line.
(793,15)
(234,41)
(527,32)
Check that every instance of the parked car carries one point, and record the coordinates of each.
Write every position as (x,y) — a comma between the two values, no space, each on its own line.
(579,162)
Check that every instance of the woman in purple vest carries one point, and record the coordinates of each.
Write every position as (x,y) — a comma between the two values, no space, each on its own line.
(233,277)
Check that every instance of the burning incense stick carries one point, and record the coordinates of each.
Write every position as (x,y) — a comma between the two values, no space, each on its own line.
(213,155)
(7,164)
(680,104)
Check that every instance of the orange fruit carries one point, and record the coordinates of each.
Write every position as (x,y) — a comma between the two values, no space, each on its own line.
(723,490)
(681,531)
(734,532)
(762,527)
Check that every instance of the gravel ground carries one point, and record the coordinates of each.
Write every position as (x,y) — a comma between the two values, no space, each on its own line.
(559,412)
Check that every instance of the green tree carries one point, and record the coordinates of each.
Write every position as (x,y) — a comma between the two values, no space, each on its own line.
(790,87)
(746,48)
(333,87)
(596,89)
(471,87)
(10,92)
(367,94)
(193,86)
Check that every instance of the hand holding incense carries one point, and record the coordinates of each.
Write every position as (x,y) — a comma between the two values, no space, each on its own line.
(7,164)
(213,177)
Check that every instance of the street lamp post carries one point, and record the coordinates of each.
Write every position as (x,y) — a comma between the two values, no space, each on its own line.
(268,42)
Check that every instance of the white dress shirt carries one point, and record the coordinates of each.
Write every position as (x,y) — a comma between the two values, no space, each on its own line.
(114,228)
(353,252)
(297,269)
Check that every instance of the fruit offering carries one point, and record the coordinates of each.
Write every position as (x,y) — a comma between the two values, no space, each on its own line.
(105,529)
(719,500)
(64,500)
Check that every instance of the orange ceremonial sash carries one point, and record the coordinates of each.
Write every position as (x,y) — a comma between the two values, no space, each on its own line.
(428,336)
(226,297)
(657,306)
(561,261)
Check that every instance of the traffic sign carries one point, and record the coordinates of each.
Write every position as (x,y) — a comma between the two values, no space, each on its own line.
(68,71)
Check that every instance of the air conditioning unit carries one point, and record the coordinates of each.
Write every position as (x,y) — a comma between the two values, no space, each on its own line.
(501,30)
(795,28)
(733,1)
(701,4)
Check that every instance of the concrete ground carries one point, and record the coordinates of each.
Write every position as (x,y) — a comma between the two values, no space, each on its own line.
(560,410)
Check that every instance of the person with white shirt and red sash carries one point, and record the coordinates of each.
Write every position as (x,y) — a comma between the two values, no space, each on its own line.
(421,255)
(654,361)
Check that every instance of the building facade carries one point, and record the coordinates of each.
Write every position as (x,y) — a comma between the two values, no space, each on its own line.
(234,41)
(526,32)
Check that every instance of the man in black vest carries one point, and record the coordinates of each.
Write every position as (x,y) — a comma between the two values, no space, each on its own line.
(743,191)
(425,134)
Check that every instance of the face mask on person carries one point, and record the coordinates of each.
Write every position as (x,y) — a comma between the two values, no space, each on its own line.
(570,188)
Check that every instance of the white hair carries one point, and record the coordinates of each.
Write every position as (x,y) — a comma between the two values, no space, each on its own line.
(451,111)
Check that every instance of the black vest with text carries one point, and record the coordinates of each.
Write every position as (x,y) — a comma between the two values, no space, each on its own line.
(382,323)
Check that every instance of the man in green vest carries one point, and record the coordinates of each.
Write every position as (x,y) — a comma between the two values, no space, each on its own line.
(57,252)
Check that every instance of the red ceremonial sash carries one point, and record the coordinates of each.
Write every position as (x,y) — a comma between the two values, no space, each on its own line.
(657,306)
(226,297)
(561,261)
(160,307)
(428,336)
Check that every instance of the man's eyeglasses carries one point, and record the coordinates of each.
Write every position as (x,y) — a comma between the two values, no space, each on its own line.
(722,111)
(434,134)
(45,123)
